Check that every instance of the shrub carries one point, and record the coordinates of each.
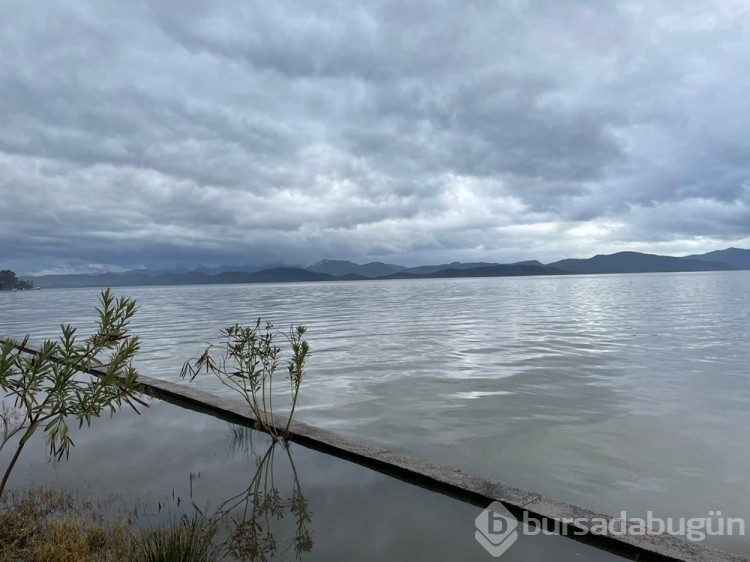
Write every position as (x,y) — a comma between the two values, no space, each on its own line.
(50,386)
(247,363)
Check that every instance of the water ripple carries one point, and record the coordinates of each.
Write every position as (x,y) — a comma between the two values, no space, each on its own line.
(583,387)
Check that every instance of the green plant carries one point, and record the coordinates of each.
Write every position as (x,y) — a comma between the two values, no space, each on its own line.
(247,364)
(50,385)
(188,539)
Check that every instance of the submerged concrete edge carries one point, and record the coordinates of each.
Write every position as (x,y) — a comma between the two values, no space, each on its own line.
(443,479)
(457,483)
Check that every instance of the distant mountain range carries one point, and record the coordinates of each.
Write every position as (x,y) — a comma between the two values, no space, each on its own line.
(736,257)
(634,262)
(340,270)
(340,267)
(131,278)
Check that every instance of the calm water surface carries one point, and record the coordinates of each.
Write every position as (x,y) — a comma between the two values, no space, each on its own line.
(615,392)
(188,458)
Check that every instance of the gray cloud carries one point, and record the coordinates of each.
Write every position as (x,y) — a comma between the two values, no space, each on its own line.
(166,133)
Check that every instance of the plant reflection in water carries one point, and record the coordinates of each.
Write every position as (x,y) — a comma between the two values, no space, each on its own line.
(256,523)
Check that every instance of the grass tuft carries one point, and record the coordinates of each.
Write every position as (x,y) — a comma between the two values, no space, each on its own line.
(41,524)
(186,540)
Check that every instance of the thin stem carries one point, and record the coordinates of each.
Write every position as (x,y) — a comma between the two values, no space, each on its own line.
(295,393)
(270,402)
(8,470)
(8,431)
(263,397)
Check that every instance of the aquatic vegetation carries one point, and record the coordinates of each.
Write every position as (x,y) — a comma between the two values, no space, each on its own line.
(247,361)
(189,539)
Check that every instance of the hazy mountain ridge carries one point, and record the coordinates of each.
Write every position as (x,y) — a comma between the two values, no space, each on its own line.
(273,275)
(736,257)
(528,262)
(456,265)
(621,262)
(496,270)
(343,267)
(636,262)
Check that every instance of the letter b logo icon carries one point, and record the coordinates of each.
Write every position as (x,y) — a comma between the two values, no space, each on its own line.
(496,529)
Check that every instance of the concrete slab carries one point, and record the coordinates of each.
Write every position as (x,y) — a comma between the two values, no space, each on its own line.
(446,480)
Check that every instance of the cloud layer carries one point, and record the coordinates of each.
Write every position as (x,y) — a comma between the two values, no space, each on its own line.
(176,133)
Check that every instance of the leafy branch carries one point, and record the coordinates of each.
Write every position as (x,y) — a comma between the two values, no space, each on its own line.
(246,362)
(51,385)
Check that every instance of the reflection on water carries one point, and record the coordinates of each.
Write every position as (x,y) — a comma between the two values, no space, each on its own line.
(266,519)
(257,511)
(618,392)
(169,460)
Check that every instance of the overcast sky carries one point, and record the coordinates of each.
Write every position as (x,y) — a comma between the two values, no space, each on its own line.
(167,133)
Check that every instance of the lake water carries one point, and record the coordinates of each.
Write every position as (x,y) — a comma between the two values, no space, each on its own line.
(615,392)
(152,468)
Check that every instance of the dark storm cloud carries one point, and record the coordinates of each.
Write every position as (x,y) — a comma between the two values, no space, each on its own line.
(163,133)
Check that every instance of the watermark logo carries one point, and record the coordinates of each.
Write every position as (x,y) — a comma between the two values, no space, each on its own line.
(694,529)
(496,529)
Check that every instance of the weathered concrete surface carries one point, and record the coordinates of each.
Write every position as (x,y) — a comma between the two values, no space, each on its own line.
(446,480)
(456,483)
